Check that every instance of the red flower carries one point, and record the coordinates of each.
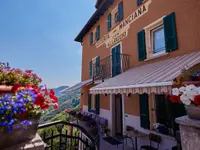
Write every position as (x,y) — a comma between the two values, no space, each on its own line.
(55,106)
(174,99)
(28,71)
(52,96)
(29,86)
(197,99)
(44,106)
(67,110)
(23,115)
(16,87)
(36,89)
(39,99)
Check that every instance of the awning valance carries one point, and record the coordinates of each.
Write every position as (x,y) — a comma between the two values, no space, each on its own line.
(76,86)
(150,78)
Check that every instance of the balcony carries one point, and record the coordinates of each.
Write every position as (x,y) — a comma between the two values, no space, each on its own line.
(111,66)
(61,135)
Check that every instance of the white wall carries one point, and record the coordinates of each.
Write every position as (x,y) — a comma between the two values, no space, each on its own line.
(167,142)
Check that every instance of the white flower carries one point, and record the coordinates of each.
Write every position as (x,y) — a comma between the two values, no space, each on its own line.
(185,98)
(182,89)
(192,89)
(175,91)
(198,90)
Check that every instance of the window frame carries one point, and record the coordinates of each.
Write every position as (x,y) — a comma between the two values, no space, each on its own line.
(153,41)
(149,53)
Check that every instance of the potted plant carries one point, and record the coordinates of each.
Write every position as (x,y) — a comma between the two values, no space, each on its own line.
(189,95)
(22,101)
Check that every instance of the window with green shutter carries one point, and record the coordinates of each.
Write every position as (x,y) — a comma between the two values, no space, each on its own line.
(90,68)
(97,104)
(98,33)
(141,46)
(91,38)
(109,21)
(120,11)
(170,32)
(144,111)
(89,102)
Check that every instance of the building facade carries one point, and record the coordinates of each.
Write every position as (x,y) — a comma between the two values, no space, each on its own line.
(127,47)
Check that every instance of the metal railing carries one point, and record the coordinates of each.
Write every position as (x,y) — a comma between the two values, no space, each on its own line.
(60,135)
(104,69)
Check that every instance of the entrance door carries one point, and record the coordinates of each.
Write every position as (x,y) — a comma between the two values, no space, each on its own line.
(118,115)
(116,60)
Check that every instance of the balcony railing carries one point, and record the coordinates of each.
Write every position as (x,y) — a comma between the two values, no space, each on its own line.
(62,135)
(105,67)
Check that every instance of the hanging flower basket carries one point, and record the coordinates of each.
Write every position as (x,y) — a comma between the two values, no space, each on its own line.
(22,101)
(189,95)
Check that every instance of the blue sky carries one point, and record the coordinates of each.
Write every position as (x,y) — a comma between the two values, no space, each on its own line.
(39,35)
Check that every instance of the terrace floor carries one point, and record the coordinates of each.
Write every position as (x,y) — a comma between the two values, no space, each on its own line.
(106,146)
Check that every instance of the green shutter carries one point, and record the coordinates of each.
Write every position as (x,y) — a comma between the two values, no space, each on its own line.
(91,38)
(97,33)
(118,59)
(144,111)
(139,2)
(89,101)
(170,32)
(90,68)
(109,22)
(97,64)
(97,104)
(114,71)
(141,46)
(120,11)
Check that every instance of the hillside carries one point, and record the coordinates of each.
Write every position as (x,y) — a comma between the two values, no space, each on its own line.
(65,101)
(58,90)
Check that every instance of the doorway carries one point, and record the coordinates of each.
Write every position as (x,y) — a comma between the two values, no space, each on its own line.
(118,115)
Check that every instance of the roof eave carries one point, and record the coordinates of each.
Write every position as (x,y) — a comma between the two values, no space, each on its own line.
(98,13)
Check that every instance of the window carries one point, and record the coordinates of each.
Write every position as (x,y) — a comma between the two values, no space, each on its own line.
(97,33)
(94,67)
(158,40)
(139,2)
(115,16)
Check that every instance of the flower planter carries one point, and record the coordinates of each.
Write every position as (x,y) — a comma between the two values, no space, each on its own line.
(193,112)
(18,135)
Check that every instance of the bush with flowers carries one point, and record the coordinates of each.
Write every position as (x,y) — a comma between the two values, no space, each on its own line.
(188,95)
(25,99)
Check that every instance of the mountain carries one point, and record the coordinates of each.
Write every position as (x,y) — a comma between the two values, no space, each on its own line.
(66,101)
(58,90)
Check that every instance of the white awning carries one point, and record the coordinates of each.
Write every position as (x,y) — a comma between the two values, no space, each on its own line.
(150,78)
(76,86)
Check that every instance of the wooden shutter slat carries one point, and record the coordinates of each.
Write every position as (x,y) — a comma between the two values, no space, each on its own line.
(141,45)
(97,64)
(170,32)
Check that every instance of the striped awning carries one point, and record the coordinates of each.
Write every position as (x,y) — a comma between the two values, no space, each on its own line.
(150,78)
(76,86)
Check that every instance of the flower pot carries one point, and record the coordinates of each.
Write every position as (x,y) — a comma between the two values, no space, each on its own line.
(18,135)
(193,112)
